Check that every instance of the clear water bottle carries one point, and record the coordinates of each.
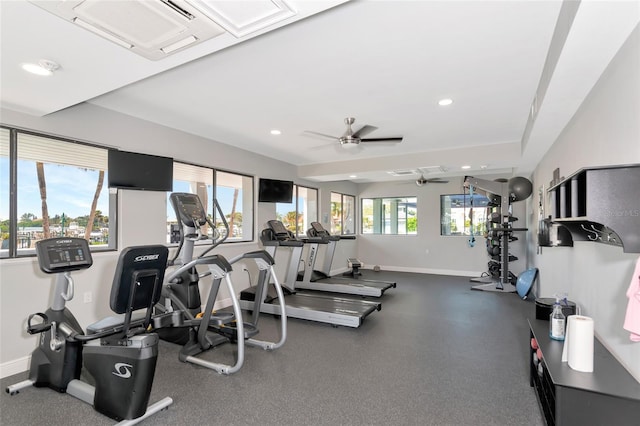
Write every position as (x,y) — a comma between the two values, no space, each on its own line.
(557,322)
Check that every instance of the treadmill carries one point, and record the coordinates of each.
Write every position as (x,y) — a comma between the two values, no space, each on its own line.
(309,306)
(320,280)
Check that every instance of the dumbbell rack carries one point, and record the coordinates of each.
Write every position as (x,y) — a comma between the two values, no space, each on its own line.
(505,281)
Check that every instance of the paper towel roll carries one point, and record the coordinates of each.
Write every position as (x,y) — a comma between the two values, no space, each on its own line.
(578,343)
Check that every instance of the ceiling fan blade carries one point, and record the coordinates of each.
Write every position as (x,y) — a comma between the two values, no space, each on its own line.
(365,130)
(436,181)
(320,135)
(392,139)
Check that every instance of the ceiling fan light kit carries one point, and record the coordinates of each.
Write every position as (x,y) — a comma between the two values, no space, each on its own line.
(346,144)
(351,139)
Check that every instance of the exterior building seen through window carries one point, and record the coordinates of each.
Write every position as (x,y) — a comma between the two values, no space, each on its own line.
(390,216)
(459,214)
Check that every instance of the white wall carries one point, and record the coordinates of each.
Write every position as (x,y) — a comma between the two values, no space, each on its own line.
(428,251)
(604,131)
(141,216)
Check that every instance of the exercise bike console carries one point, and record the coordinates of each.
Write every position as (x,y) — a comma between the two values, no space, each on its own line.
(63,255)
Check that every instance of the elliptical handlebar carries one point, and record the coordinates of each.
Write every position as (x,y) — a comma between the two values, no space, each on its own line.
(216,243)
(191,215)
(208,260)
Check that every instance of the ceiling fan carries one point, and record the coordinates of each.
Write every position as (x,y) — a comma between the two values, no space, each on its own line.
(423,181)
(352,139)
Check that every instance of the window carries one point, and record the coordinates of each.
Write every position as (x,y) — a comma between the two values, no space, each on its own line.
(303,209)
(455,214)
(60,191)
(343,210)
(233,192)
(393,216)
(194,180)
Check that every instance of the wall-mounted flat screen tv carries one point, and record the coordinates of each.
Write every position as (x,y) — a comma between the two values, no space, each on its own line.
(131,170)
(275,191)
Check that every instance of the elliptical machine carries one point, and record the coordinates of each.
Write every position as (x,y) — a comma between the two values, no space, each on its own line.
(199,330)
(119,354)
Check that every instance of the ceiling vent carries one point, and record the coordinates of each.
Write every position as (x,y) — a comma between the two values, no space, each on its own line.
(429,170)
(409,172)
(157,28)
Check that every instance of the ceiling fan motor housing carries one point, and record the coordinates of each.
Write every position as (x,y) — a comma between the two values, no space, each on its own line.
(349,140)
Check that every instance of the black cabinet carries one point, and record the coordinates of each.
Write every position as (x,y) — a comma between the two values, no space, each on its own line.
(600,204)
(608,396)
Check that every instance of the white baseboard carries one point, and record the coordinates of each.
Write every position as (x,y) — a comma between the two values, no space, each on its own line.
(14,367)
(224,303)
(456,272)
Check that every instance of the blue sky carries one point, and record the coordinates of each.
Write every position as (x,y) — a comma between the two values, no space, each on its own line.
(69,190)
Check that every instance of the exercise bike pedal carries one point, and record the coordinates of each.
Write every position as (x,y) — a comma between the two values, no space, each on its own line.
(40,327)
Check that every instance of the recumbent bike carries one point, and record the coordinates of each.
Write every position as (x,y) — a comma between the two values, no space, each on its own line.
(119,354)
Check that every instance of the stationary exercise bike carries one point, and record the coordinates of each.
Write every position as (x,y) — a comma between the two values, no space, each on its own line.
(201,330)
(117,352)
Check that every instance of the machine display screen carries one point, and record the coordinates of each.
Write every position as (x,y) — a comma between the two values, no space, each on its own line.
(189,208)
(63,254)
(59,255)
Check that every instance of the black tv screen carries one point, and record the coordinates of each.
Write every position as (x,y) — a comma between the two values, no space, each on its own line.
(275,191)
(131,170)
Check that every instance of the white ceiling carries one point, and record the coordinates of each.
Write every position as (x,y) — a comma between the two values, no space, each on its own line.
(387,63)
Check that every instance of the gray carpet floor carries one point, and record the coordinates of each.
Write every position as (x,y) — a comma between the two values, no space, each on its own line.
(438,353)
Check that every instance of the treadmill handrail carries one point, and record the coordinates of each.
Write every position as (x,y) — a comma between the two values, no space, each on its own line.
(315,240)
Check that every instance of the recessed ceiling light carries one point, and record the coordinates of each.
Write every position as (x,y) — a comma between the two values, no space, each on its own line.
(445,102)
(43,67)
(353,176)
(276,132)
(465,167)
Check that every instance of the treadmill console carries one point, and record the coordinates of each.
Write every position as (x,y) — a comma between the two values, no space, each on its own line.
(278,229)
(189,209)
(63,254)
(319,229)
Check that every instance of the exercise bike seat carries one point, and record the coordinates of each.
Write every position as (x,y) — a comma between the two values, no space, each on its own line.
(136,288)
(115,322)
